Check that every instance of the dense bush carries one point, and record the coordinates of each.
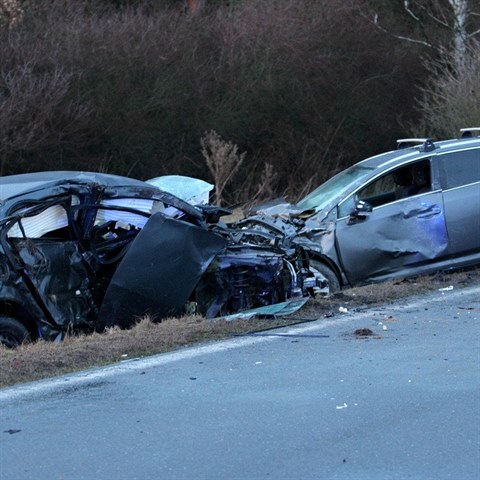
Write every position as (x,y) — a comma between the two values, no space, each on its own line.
(452,100)
(304,87)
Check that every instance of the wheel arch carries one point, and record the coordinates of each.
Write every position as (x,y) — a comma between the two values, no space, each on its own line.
(19,313)
(330,264)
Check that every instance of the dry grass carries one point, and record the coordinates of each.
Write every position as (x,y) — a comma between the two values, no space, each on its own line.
(45,359)
(384,293)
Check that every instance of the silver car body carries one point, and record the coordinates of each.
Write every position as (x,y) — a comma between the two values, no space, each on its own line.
(365,226)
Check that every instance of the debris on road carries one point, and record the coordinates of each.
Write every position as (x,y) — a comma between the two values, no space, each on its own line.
(269,311)
(446,289)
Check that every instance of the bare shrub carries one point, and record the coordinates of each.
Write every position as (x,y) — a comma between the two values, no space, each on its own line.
(303,86)
(264,187)
(292,74)
(38,109)
(255,185)
(222,159)
(452,99)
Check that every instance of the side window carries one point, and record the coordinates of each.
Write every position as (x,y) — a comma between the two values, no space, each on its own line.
(47,221)
(403,182)
(459,168)
(122,211)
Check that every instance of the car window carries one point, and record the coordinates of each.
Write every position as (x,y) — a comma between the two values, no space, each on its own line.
(328,191)
(459,168)
(403,182)
(383,186)
(53,218)
(35,222)
(120,210)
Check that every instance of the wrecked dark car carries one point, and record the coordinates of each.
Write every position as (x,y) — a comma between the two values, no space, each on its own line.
(406,212)
(85,251)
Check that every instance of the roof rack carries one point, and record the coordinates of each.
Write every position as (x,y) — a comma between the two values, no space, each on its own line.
(425,144)
(469,132)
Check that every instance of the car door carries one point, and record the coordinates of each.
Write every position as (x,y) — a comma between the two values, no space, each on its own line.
(460,180)
(159,271)
(398,235)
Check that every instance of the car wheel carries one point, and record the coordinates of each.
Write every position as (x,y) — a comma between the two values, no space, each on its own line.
(333,285)
(12,332)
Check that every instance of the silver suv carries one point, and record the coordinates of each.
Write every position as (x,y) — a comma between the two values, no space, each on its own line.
(405,212)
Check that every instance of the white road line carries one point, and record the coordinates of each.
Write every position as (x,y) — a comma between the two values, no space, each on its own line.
(43,387)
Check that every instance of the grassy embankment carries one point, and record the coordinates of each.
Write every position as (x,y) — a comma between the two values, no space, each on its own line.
(44,359)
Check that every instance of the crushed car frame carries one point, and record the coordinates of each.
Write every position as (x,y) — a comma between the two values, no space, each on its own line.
(84,251)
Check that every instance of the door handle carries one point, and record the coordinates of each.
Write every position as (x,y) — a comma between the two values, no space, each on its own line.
(425,212)
(430,211)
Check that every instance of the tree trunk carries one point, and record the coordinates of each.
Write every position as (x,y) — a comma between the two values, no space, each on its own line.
(460,15)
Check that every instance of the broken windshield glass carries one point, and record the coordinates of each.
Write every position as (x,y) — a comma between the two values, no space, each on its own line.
(192,190)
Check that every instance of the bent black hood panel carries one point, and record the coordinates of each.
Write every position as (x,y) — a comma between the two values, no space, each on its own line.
(159,272)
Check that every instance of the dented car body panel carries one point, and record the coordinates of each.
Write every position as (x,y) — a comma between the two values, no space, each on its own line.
(398,236)
(160,270)
(83,251)
(406,212)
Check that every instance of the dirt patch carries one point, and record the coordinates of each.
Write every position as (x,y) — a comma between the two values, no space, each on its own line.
(363,332)
(46,359)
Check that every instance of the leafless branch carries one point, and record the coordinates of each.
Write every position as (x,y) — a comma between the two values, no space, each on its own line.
(472,34)
(428,11)
(402,37)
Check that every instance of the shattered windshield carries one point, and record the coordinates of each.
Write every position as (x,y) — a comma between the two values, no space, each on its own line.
(332,188)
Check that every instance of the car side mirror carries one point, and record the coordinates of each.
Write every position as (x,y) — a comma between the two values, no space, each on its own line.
(361,211)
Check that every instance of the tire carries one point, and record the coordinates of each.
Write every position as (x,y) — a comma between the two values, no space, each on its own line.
(333,285)
(12,332)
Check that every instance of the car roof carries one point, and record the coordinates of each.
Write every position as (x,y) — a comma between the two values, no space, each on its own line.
(418,152)
(15,185)
(40,185)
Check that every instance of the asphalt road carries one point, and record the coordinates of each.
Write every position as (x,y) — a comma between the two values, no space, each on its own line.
(312,402)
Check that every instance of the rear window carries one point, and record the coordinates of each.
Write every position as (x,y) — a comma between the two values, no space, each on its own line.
(459,168)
